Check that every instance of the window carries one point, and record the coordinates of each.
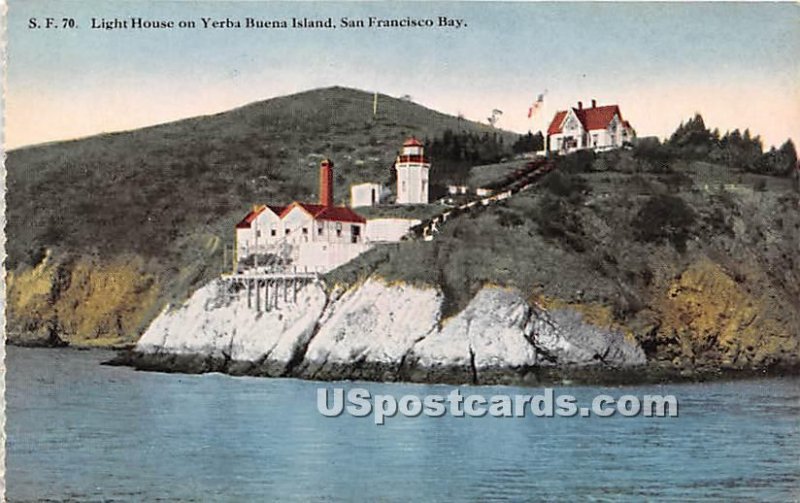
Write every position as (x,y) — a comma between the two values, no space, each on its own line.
(338,229)
(355,233)
(319,230)
(594,140)
(305,231)
(273,231)
(288,231)
(258,233)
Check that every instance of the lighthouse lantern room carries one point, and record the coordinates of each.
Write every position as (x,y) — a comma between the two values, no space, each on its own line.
(412,173)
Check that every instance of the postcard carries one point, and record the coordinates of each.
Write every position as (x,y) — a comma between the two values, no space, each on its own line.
(401,251)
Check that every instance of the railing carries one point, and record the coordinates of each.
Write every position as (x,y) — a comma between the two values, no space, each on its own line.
(420,159)
(277,271)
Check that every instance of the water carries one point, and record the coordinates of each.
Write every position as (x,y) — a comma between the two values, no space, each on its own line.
(81,431)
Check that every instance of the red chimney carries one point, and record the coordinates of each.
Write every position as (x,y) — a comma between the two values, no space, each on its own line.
(580,105)
(594,103)
(326,183)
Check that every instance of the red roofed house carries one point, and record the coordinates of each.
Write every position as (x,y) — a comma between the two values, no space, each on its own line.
(317,237)
(596,128)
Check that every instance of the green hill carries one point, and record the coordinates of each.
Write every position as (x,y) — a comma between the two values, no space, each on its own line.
(160,202)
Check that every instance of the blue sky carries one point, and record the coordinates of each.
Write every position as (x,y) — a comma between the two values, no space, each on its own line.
(737,64)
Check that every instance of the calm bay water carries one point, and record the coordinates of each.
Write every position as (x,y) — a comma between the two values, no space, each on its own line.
(80,431)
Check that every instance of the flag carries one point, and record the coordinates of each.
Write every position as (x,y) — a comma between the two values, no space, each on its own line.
(536,105)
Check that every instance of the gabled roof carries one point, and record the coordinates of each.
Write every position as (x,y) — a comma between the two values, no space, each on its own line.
(597,117)
(310,208)
(255,212)
(591,118)
(329,213)
(555,126)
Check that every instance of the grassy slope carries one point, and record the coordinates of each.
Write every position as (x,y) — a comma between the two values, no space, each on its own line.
(141,191)
(166,197)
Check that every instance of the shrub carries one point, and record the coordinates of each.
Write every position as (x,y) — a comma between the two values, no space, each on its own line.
(650,149)
(577,162)
(717,223)
(509,219)
(564,184)
(558,220)
(664,217)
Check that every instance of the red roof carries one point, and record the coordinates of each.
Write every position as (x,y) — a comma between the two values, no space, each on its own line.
(331,213)
(340,214)
(591,118)
(311,208)
(555,126)
(248,219)
(412,142)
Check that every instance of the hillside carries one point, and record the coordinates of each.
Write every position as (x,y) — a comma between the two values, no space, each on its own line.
(102,231)
(697,261)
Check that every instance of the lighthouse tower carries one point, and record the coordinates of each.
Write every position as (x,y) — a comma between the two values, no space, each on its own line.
(412,173)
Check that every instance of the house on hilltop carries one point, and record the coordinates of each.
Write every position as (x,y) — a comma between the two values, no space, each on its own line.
(597,128)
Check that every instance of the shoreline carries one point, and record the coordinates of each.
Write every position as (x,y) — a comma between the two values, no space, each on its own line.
(531,376)
(68,345)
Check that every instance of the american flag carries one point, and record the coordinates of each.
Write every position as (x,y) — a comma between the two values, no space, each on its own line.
(536,105)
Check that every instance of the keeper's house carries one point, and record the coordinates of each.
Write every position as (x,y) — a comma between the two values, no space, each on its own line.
(596,128)
(317,237)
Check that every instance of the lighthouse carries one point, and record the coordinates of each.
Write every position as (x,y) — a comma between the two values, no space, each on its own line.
(412,173)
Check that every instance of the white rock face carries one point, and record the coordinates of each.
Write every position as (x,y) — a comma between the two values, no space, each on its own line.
(566,339)
(491,330)
(206,325)
(499,329)
(385,326)
(375,323)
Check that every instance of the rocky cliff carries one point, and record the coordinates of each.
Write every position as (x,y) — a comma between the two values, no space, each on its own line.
(86,301)
(379,331)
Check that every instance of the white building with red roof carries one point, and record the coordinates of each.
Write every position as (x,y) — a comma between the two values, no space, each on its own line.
(310,236)
(597,128)
(413,170)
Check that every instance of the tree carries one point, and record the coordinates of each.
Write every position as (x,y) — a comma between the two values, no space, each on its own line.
(780,162)
(665,218)
(528,143)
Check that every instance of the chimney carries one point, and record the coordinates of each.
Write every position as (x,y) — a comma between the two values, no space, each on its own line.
(594,103)
(326,183)
(580,105)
